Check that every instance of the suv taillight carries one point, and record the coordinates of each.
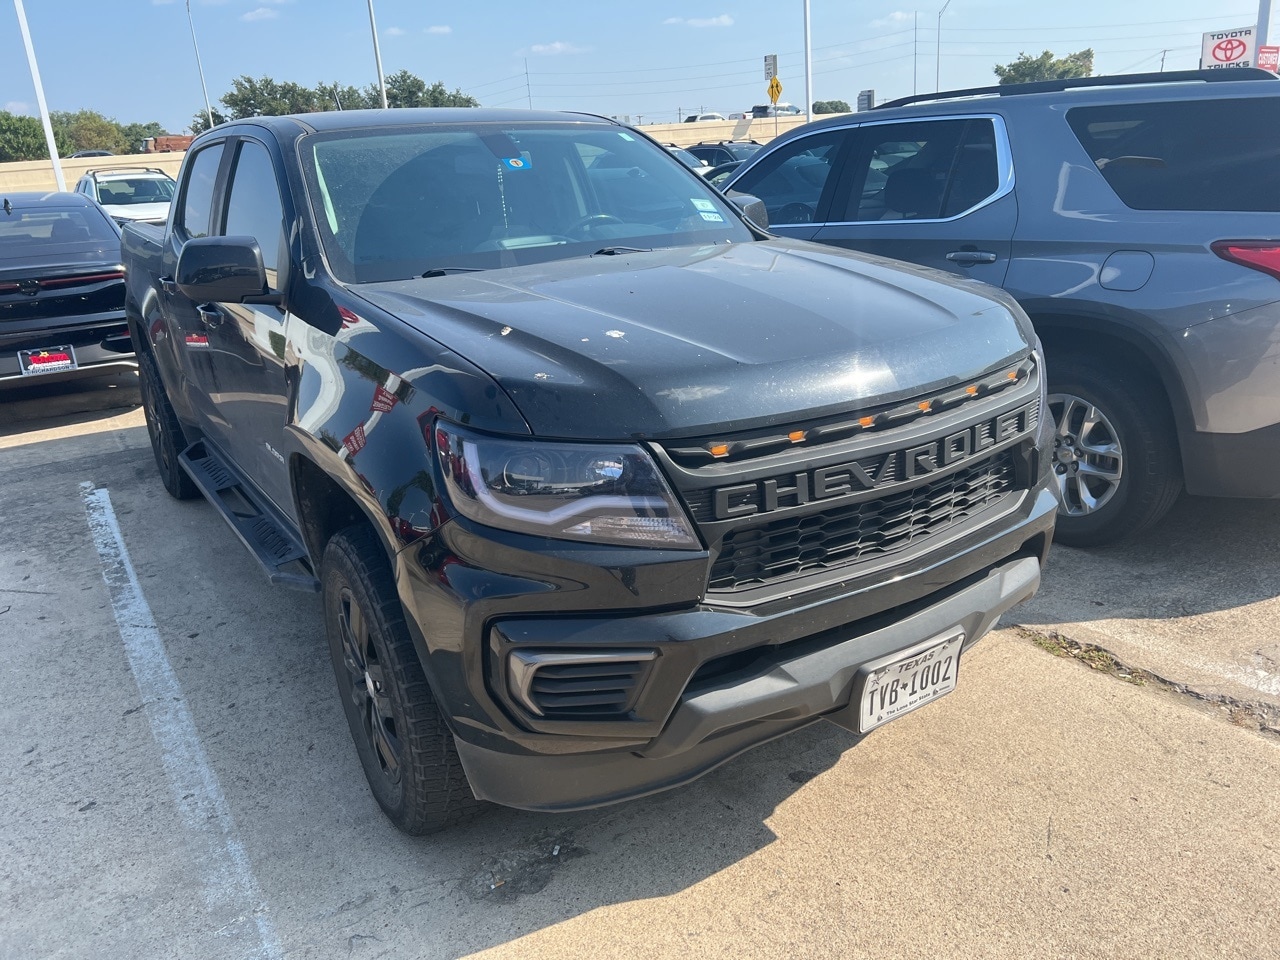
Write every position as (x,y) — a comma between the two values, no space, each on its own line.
(1261,255)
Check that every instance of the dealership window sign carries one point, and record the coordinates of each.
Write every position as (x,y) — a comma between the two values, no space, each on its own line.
(1269,58)
(1228,48)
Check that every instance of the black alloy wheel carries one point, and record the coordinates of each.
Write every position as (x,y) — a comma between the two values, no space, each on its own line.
(165,431)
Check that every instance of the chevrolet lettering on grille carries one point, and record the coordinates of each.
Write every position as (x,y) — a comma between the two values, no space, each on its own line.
(895,467)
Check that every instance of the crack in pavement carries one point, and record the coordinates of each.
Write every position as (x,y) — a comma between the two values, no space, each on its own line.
(1254,715)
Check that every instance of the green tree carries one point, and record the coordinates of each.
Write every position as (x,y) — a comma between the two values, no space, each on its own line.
(87,130)
(22,138)
(135,133)
(831,106)
(1028,69)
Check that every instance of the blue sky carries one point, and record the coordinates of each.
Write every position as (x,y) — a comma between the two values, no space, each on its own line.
(132,59)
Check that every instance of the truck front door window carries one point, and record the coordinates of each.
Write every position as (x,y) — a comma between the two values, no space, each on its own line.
(197,199)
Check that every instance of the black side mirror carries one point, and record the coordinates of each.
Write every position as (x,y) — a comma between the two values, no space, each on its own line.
(752,208)
(223,270)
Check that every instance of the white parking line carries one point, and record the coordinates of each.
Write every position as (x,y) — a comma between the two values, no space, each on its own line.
(230,885)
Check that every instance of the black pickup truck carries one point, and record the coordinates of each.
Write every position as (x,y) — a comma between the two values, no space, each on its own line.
(600,483)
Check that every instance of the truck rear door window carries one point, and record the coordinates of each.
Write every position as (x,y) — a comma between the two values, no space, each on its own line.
(1186,155)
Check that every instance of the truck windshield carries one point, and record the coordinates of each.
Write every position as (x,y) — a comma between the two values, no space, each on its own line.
(395,204)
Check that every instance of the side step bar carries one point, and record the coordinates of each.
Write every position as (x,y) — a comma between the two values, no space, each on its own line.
(253,520)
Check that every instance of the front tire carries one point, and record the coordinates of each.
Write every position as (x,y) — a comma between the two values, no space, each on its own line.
(165,430)
(404,745)
(1115,452)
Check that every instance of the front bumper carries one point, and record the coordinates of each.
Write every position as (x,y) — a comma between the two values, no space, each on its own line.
(723,680)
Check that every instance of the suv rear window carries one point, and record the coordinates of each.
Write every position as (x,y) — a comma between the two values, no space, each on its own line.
(1186,155)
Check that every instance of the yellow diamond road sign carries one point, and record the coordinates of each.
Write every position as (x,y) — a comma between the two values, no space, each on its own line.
(775,90)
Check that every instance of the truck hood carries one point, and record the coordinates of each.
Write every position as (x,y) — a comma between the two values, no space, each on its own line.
(731,337)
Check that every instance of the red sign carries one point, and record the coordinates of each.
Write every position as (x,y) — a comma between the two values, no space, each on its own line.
(1269,58)
(1226,51)
(383,400)
(354,441)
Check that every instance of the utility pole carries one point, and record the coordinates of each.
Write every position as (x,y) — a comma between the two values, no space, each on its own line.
(528,91)
(377,57)
(44,110)
(808,66)
(1162,56)
(915,57)
(937,66)
(199,66)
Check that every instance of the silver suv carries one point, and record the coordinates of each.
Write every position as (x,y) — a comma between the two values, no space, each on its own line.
(1133,218)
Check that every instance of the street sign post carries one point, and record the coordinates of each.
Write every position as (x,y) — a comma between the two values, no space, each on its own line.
(775,90)
(771,66)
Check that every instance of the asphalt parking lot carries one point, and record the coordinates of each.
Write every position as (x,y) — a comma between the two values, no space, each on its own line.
(180,780)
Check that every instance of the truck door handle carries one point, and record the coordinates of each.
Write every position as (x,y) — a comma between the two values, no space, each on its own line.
(967,257)
(168,285)
(210,315)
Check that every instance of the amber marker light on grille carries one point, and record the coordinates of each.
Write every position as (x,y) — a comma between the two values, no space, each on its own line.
(795,436)
(925,405)
(866,421)
(719,449)
(1013,374)
(971,389)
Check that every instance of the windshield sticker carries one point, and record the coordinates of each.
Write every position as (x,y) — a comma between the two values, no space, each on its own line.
(518,163)
(713,217)
(703,205)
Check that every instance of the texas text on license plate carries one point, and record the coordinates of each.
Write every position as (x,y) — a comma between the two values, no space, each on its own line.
(894,685)
(46,360)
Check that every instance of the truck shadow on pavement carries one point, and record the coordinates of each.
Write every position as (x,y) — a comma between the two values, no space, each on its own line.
(1206,555)
(43,406)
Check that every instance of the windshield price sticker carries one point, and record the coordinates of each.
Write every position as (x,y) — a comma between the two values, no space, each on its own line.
(916,677)
(713,217)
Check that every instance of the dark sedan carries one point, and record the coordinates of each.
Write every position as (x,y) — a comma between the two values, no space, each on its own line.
(61,289)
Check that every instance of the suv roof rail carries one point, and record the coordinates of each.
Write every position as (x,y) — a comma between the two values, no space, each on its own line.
(1117,80)
(104,170)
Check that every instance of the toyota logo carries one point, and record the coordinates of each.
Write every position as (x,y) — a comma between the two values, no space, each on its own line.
(1228,50)
(29,287)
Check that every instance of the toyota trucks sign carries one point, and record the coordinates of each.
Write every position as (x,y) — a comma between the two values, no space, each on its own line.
(1228,48)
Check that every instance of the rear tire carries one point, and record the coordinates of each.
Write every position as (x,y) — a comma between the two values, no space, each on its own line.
(404,745)
(1115,453)
(165,430)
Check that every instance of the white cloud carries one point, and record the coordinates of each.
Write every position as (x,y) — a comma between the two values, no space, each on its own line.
(724,20)
(894,19)
(394,32)
(17,106)
(261,13)
(440,29)
(558,47)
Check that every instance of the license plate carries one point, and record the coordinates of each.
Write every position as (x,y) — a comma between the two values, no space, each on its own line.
(46,360)
(894,685)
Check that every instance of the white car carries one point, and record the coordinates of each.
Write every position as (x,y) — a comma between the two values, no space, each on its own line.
(699,117)
(130,193)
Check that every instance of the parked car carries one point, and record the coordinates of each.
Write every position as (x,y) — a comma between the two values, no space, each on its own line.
(701,117)
(600,485)
(775,110)
(1135,220)
(689,160)
(130,193)
(717,152)
(91,153)
(61,290)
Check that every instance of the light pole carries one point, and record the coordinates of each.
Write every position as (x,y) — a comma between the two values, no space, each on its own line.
(1264,21)
(937,65)
(44,110)
(199,66)
(808,66)
(377,56)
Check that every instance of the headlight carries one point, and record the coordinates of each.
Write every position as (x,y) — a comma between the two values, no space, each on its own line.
(605,493)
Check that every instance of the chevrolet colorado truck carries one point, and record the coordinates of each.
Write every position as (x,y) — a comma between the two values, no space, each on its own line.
(600,483)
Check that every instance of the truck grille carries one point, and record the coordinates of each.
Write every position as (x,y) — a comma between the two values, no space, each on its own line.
(766,553)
